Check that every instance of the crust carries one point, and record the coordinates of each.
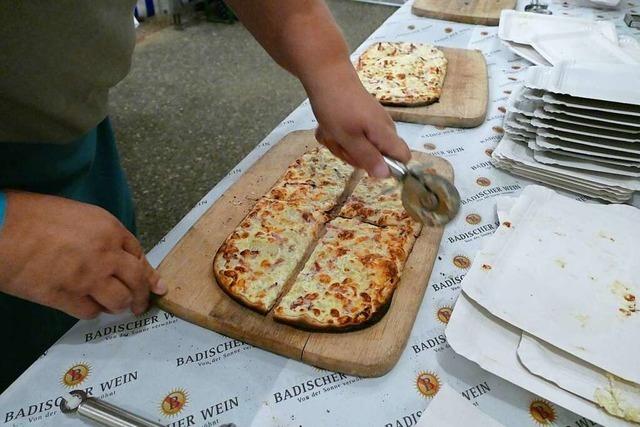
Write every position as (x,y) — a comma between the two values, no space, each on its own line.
(260,308)
(391,103)
(310,324)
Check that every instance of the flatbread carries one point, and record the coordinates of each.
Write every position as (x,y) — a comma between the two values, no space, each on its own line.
(378,202)
(403,73)
(256,260)
(317,167)
(350,277)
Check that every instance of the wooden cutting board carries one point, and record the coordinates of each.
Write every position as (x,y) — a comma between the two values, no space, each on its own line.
(195,296)
(482,12)
(464,98)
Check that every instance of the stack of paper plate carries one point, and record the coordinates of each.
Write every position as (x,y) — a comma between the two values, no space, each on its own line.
(550,39)
(551,304)
(576,127)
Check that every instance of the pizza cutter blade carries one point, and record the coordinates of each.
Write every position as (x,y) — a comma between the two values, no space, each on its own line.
(427,197)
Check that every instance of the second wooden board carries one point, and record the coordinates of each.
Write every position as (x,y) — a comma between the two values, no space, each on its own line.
(194,295)
(464,98)
(482,12)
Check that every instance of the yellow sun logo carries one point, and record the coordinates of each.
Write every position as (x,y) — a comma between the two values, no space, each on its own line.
(427,384)
(444,314)
(76,374)
(173,403)
(542,412)
(473,219)
(461,261)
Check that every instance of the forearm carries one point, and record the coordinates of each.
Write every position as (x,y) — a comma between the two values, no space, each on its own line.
(301,36)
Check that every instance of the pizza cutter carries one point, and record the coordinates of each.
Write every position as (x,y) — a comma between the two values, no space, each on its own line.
(427,197)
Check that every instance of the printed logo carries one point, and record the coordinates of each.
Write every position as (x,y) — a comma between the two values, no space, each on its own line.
(483,182)
(473,219)
(427,384)
(484,33)
(497,129)
(502,109)
(448,30)
(461,261)
(444,314)
(76,374)
(173,403)
(542,412)
(488,151)
(429,146)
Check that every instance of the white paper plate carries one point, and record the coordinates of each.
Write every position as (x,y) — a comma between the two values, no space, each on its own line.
(579,46)
(517,103)
(603,134)
(602,154)
(627,147)
(630,106)
(606,3)
(527,52)
(552,158)
(591,114)
(578,377)
(574,184)
(564,182)
(572,295)
(520,27)
(630,45)
(522,154)
(542,114)
(450,409)
(491,343)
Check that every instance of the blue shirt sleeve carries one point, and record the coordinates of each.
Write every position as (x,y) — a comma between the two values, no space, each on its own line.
(3,207)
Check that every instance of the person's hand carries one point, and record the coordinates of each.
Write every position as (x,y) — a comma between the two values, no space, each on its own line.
(352,123)
(72,256)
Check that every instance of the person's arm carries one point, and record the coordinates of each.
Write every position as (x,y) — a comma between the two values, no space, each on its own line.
(302,36)
(72,256)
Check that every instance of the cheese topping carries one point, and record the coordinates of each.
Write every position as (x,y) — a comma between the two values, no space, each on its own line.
(378,202)
(350,276)
(403,73)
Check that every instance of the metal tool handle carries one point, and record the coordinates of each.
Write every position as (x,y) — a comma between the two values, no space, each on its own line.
(398,169)
(105,413)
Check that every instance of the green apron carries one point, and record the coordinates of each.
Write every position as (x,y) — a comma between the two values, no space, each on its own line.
(87,170)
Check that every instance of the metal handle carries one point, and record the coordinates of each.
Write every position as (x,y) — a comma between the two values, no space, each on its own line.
(106,414)
(398,169)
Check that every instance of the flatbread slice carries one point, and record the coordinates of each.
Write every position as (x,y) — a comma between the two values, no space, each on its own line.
(378,201)
(318,167)
(324,198)
(403,73)
(257,259)
(349,279)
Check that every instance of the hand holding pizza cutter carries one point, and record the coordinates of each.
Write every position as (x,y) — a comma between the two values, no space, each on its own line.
(427,197)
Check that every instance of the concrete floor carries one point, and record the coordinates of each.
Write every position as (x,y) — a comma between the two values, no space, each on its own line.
(197,101)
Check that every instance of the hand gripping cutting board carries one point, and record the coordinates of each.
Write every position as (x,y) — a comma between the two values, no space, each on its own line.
(464,98)
(483,12)
(194,295)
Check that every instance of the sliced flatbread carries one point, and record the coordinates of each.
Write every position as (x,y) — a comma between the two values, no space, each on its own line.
(317,177)
(349,279)
(317,167)
(257,259)
(324,198)
(403,73)
(378,202)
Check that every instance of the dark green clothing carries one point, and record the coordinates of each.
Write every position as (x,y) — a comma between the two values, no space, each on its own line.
(88,170)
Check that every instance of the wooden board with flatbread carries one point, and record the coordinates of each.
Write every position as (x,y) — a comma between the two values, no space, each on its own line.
(421,83)
(195,296)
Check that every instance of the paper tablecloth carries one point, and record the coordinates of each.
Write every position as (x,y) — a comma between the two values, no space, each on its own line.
(181,375)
